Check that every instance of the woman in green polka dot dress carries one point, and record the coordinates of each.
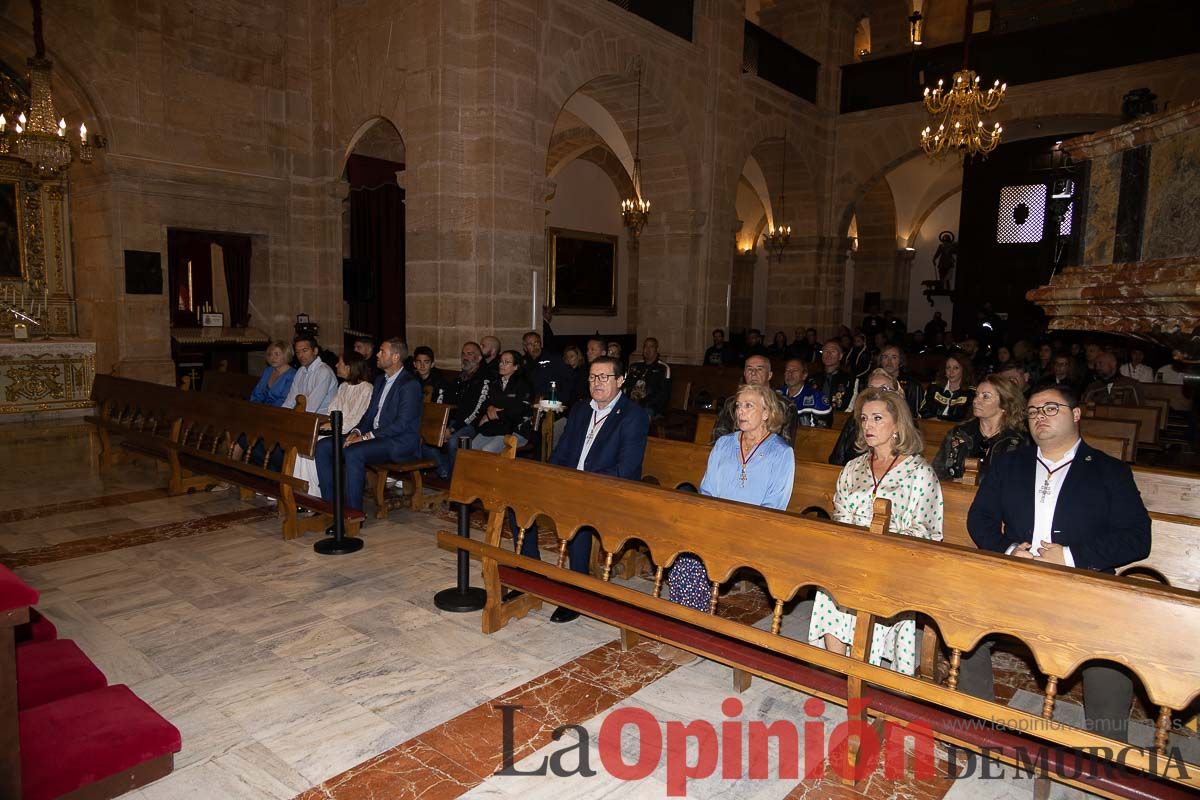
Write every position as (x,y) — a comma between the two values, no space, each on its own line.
(892,469)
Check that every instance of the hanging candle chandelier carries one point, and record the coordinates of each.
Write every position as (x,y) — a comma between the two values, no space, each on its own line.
(957,124)
(635,209)
(776,239)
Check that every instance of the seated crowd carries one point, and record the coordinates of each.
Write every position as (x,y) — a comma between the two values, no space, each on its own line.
(1045,495)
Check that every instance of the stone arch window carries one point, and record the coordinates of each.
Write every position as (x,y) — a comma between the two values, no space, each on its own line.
(862,38)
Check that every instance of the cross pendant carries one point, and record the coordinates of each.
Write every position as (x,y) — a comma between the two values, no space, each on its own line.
(1045,490)
(743,478)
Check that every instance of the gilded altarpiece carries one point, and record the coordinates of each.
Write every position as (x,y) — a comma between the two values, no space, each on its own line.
(51,370)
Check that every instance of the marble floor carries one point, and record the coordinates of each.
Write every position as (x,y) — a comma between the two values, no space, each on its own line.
(291,674)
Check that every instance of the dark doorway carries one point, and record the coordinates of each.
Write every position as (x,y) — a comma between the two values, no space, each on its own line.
(373,273)
(195,286)
(1020,222)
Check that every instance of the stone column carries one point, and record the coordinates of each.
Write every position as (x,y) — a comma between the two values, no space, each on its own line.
(669,272)
(897,298)
(804,286)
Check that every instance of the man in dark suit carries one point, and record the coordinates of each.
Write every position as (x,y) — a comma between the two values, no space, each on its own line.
(606,436)
(1061,501)
(390,430)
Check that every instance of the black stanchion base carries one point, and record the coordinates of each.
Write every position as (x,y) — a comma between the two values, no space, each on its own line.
(460,600)
(333,547)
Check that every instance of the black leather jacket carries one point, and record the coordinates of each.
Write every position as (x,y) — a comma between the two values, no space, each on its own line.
(967,441)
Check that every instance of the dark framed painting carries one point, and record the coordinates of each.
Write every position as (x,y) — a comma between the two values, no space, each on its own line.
(12,249)
(582,269)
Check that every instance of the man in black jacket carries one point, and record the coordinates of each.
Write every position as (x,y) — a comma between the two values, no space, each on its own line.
(648,382)
(835,383)
(470,400)
(1061,501)
(430,377)
(721,354)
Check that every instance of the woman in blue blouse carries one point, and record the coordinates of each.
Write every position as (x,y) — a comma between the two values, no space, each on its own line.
(276,380)
(751,465)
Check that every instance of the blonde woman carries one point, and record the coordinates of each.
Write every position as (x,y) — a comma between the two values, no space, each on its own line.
(892,468)
(276,380)
(750,465)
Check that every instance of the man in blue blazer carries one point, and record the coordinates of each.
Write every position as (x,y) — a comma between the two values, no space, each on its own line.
(390,429)
(1061,502)
(606,436)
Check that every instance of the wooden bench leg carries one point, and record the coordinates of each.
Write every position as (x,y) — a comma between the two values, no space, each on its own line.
(629,639)
(380,474)
(741,680)
(929,653)
(417,501)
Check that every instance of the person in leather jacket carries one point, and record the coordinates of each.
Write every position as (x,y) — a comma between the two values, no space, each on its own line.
(998,425)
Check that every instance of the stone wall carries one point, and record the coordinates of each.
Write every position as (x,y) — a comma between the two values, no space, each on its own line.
(238,116)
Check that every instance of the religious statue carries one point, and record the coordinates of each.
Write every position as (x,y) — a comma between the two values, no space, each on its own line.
(946,258)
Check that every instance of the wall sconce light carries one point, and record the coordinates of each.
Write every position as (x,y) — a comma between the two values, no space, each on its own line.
(915,24)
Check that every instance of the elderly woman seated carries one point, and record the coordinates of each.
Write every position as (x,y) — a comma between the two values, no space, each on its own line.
(751,465)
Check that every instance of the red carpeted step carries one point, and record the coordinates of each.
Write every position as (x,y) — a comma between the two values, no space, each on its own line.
(105,735)
(49,671)
(14,592)
(38,629)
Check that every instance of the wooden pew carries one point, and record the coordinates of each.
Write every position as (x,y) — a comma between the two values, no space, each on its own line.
(434,420)
(674,464)
(137,417)
(1094,615)
(1122,430)
(195,434)
(1171,392)
(1146,417)
(1169,491)
(228,384)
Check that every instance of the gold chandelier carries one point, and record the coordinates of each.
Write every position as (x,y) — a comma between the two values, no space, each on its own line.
(35,136)
(635,209)
(776,239)
(958,124)
(958,116)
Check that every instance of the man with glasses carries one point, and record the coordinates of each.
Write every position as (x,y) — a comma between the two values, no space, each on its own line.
(607,436)
(1061,501)
(756,372)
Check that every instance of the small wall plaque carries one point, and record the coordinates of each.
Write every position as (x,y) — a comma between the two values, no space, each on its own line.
(143,272)
(212,320)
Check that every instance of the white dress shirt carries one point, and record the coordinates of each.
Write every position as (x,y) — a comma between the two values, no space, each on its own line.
(387,387)
(1044,505)
(318,383)
(597,421)
(1141,373)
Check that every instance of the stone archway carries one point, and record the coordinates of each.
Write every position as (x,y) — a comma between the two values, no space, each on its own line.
(598,122)
(373,232)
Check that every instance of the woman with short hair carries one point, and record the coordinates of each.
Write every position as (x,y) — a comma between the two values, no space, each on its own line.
(750,465)
(276,380)
(892,468)
(998,425)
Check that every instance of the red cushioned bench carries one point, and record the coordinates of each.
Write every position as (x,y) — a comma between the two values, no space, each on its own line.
(72,734)
(38,629)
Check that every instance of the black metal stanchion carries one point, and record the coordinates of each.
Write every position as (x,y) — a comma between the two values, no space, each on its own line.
(338,543)
(462,597)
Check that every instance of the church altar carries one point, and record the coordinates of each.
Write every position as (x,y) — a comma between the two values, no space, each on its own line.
(40,376)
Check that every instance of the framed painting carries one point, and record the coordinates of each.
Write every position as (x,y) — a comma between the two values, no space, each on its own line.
(582,270)
(12,249)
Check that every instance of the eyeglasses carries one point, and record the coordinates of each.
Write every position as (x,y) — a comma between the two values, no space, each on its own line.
(1047,410)
(603,377)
